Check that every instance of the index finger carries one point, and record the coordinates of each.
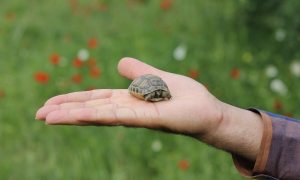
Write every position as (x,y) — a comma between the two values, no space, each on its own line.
(133,68)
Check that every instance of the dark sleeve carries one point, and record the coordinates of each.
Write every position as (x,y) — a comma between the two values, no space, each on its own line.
(279,155)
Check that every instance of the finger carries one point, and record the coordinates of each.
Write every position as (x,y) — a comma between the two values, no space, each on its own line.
(105,115)
(80,96)
(132,68)
(71,116)
(109,115)
(45,110)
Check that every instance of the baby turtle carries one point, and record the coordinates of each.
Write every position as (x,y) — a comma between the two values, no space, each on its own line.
(150,88)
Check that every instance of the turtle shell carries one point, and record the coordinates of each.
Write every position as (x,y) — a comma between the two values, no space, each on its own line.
(146,84)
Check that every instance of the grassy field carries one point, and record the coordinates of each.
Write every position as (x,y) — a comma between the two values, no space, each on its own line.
(240,50)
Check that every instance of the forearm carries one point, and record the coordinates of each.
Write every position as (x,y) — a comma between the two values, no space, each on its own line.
(239,132)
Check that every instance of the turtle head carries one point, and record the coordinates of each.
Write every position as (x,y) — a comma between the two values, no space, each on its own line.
(166,95)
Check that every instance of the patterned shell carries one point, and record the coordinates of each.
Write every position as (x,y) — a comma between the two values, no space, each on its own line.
(146,84)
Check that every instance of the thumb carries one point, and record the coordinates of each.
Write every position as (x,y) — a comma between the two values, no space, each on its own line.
(133,68)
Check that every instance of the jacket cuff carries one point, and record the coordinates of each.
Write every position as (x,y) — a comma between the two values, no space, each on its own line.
(246,167)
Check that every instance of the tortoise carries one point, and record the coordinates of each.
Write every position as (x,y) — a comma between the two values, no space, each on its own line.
(149,87)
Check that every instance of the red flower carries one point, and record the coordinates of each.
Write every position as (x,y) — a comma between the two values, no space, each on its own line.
(193,73)
(92,62)
(10,16)
(2,94)
(103,7)
(277,105)
(77,78)
(165,4)
(54,59)
(77,63)
(74,5)
(41,77)
(92,43)
(95,72)
(235,73)
(183,164)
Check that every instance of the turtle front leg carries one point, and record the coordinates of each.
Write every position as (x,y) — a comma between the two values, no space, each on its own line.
(154,97)
(149,97)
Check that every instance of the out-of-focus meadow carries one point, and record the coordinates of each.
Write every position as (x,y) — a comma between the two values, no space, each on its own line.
(245,51)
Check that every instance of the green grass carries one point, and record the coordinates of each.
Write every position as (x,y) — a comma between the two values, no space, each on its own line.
(219,36)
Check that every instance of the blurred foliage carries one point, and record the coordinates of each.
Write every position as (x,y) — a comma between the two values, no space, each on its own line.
(229,46)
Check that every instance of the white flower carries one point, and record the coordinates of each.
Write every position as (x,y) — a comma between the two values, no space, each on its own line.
(156,145)
(295,68)
(278,86)
(271,71)
(280,34)
(179,52)
(83,54)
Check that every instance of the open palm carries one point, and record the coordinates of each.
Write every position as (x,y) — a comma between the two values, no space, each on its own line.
(192,109)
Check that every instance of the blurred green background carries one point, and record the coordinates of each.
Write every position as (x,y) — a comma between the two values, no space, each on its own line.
(244,51)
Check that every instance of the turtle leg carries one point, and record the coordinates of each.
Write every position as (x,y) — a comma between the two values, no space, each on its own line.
(150,96)
(158,94)
(166,95)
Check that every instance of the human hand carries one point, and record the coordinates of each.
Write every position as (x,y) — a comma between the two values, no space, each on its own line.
(192,110)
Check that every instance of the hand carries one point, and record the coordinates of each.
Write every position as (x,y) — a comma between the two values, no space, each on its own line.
(192,110)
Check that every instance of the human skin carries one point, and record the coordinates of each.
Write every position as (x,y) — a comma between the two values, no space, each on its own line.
(192,111)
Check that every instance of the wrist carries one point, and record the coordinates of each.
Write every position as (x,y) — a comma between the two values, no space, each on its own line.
(240,131)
